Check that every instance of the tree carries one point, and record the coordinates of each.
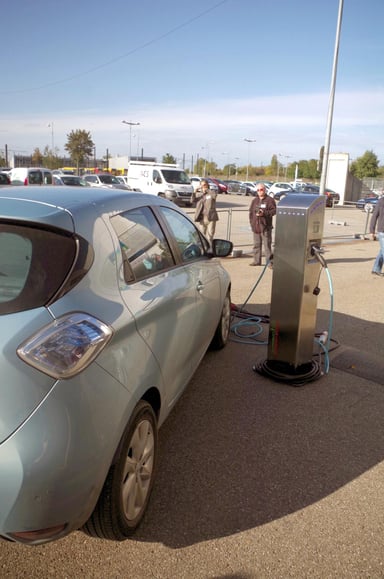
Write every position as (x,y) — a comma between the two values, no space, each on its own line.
(272,169)
(80,146)
(37,157)
(168,158)
(365,166)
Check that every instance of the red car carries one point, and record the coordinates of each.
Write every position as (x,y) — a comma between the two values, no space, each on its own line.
(223,188)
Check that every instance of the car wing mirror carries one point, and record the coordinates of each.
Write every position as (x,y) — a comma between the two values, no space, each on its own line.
(221,247)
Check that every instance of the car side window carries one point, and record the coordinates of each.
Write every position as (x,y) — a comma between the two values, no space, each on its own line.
(186,235)
(35,178)
(156,176)
(143,244)
(47,178)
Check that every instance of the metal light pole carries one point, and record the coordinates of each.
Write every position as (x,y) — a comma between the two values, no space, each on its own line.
(284,166)
(52,137)
(249,141)
(324,168)
(131,124)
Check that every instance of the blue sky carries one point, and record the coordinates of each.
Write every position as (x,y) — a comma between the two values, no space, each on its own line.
(198,76)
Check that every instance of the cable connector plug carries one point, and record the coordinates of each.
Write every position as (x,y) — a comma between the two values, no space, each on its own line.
(323,338)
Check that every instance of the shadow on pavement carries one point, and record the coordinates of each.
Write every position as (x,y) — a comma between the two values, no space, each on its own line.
(240,450)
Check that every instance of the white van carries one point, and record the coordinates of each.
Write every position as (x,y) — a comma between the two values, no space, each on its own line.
(30,176)
(161,179)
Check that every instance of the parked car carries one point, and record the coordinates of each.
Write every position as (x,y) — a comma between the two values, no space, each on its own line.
(196,181)
(332,198)
(277,195)
(222,187)
(69,180)
(267,184)
(30,176)
(63,172)
(4,179)
(122,179)
(212,185)
(109,301)
(104,180)
(278,187)
(368,202)
(247,188)
(233,185)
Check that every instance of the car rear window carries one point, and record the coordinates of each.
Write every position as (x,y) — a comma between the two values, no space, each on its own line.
(36,265)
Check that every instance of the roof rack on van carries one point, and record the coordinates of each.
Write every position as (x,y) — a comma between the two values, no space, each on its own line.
(152,163)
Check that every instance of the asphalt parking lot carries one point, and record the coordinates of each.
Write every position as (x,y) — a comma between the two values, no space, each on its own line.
(259,479)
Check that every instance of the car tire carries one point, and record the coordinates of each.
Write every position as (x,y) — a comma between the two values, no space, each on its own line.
(221,335)
(127,489)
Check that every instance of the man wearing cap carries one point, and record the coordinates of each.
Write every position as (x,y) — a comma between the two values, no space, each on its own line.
(261,212)
(377,223)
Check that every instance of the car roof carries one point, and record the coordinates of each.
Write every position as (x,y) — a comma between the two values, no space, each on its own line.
(51,205)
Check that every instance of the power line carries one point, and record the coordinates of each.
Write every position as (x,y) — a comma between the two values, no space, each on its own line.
(117,58)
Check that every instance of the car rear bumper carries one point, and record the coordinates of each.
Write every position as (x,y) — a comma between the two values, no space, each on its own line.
(54,466)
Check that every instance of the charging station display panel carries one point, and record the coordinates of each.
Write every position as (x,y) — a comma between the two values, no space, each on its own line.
(296,270)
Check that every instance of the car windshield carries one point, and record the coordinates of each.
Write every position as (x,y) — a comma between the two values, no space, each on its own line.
(109,179)
(176,177)
(70,180)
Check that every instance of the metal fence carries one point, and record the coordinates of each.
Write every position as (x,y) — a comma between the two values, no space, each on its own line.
(343,224)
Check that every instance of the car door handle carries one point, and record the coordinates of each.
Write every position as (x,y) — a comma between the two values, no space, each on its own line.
(200,286)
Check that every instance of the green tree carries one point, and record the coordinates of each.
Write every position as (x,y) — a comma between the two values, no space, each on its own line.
(365,166)
(272,169)
(37,157)
(168,158)
(80,146)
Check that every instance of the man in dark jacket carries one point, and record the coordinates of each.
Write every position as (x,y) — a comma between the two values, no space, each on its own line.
(206,214)
(261,211)
(377,223)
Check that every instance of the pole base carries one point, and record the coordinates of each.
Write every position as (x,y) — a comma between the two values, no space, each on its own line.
(287,373)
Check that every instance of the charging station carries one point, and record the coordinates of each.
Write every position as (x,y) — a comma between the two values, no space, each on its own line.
(296,272)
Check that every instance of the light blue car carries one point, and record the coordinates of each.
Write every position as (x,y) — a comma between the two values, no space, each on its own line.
(108,301)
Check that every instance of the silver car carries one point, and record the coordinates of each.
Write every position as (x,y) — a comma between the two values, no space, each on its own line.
(104,180)
(109,301)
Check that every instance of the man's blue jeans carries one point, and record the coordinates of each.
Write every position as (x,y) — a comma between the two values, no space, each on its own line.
(378,265)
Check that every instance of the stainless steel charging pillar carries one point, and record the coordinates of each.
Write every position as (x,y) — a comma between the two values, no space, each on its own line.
(296,271)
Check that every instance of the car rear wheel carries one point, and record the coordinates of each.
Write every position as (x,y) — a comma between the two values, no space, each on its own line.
(221,335)
(125,495)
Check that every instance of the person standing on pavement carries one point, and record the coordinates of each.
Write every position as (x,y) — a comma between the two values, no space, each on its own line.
(377,223)
(206,214)
(261,212)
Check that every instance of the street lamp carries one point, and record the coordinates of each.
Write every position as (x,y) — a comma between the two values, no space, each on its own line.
(131,124)
(324,168)
(236,159)
(52,137)
(278,164)
(249,141)
(228,165)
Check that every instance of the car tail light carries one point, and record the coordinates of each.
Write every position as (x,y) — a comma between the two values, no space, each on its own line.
(66,346)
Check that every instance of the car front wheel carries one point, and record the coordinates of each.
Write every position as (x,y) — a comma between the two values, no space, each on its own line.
(125,495)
